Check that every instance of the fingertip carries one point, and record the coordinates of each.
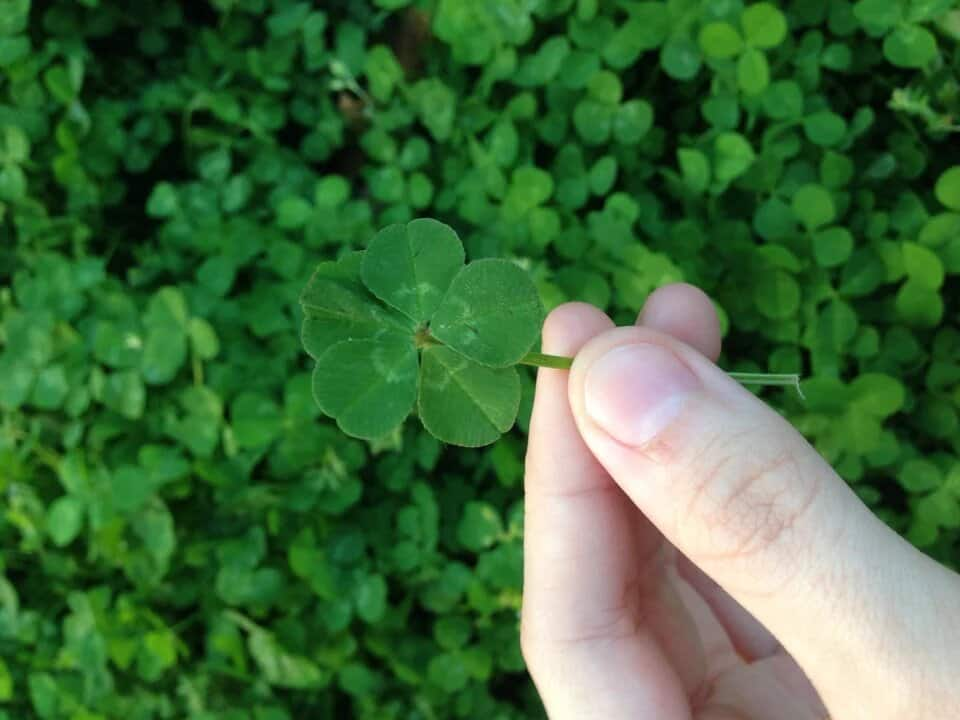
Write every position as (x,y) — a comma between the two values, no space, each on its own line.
(570,326)
(687,313)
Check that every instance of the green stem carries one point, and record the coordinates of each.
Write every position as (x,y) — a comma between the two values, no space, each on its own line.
(556,362)
(559,362)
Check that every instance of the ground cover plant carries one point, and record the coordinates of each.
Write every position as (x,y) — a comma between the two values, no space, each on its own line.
(185,534)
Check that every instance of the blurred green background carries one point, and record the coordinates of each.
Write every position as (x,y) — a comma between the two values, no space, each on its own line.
(183,536)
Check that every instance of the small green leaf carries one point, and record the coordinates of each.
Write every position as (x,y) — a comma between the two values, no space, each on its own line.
(436,104)
(695,168)
(371,598)
(680,58)
(777,294)
(491,313)
(825,128)
(813,206)
(764,26)
(6,683)
(65,519)
(922,265)
(836,325)
(411,266)
(164,352)
(720,40)
(479,526)
(910,46)
(203,338)
(632,121)
(947,188)
(368,386)
(877,393)
(733,156)
(753,73)
(918,305)
(832,246)
(879,15)
(464,403)
(44,695)
(920,475)
(529,187)
(256,420)
(646,28)
(783,99)
(603,175)
(282,668)
(293,212)
(162,202)
(940,230)
(593,120)
(836,170)
(448,672)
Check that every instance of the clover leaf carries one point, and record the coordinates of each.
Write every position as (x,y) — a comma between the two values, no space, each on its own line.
(410,266)
(337,307)
(369,386)
(463,402)
(764,26)
(947,188)
(491,313)
(407,324)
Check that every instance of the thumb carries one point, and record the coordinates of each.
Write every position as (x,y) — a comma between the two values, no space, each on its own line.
(741,493)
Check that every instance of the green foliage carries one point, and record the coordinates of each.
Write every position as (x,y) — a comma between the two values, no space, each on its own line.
(186,533)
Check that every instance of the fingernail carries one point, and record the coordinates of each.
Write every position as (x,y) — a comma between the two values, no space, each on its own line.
(634,391)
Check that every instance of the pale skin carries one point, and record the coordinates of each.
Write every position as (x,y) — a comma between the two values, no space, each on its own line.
(720,569)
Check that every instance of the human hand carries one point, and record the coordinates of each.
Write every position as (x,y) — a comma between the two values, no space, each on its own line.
(690,555)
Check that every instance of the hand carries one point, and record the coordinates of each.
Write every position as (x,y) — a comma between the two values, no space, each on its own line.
(689,555)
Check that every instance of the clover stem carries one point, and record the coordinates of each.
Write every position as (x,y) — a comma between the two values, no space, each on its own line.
(559,362)
(556,362)
(769,379)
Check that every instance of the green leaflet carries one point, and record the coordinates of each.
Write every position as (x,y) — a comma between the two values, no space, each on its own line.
(910,46)
(65,519)
(947,188)
(764,26)
(813,206)
(410,266)
(720,40)
(753,72)
(491,313)
(479,526)
(464,403)
(283,668)
(337,307)
(733,156)
(369,386)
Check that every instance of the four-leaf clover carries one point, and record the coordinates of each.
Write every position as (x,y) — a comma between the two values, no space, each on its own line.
(407,325)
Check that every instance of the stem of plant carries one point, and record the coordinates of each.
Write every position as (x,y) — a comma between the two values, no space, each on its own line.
(423,339)
(559,362)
